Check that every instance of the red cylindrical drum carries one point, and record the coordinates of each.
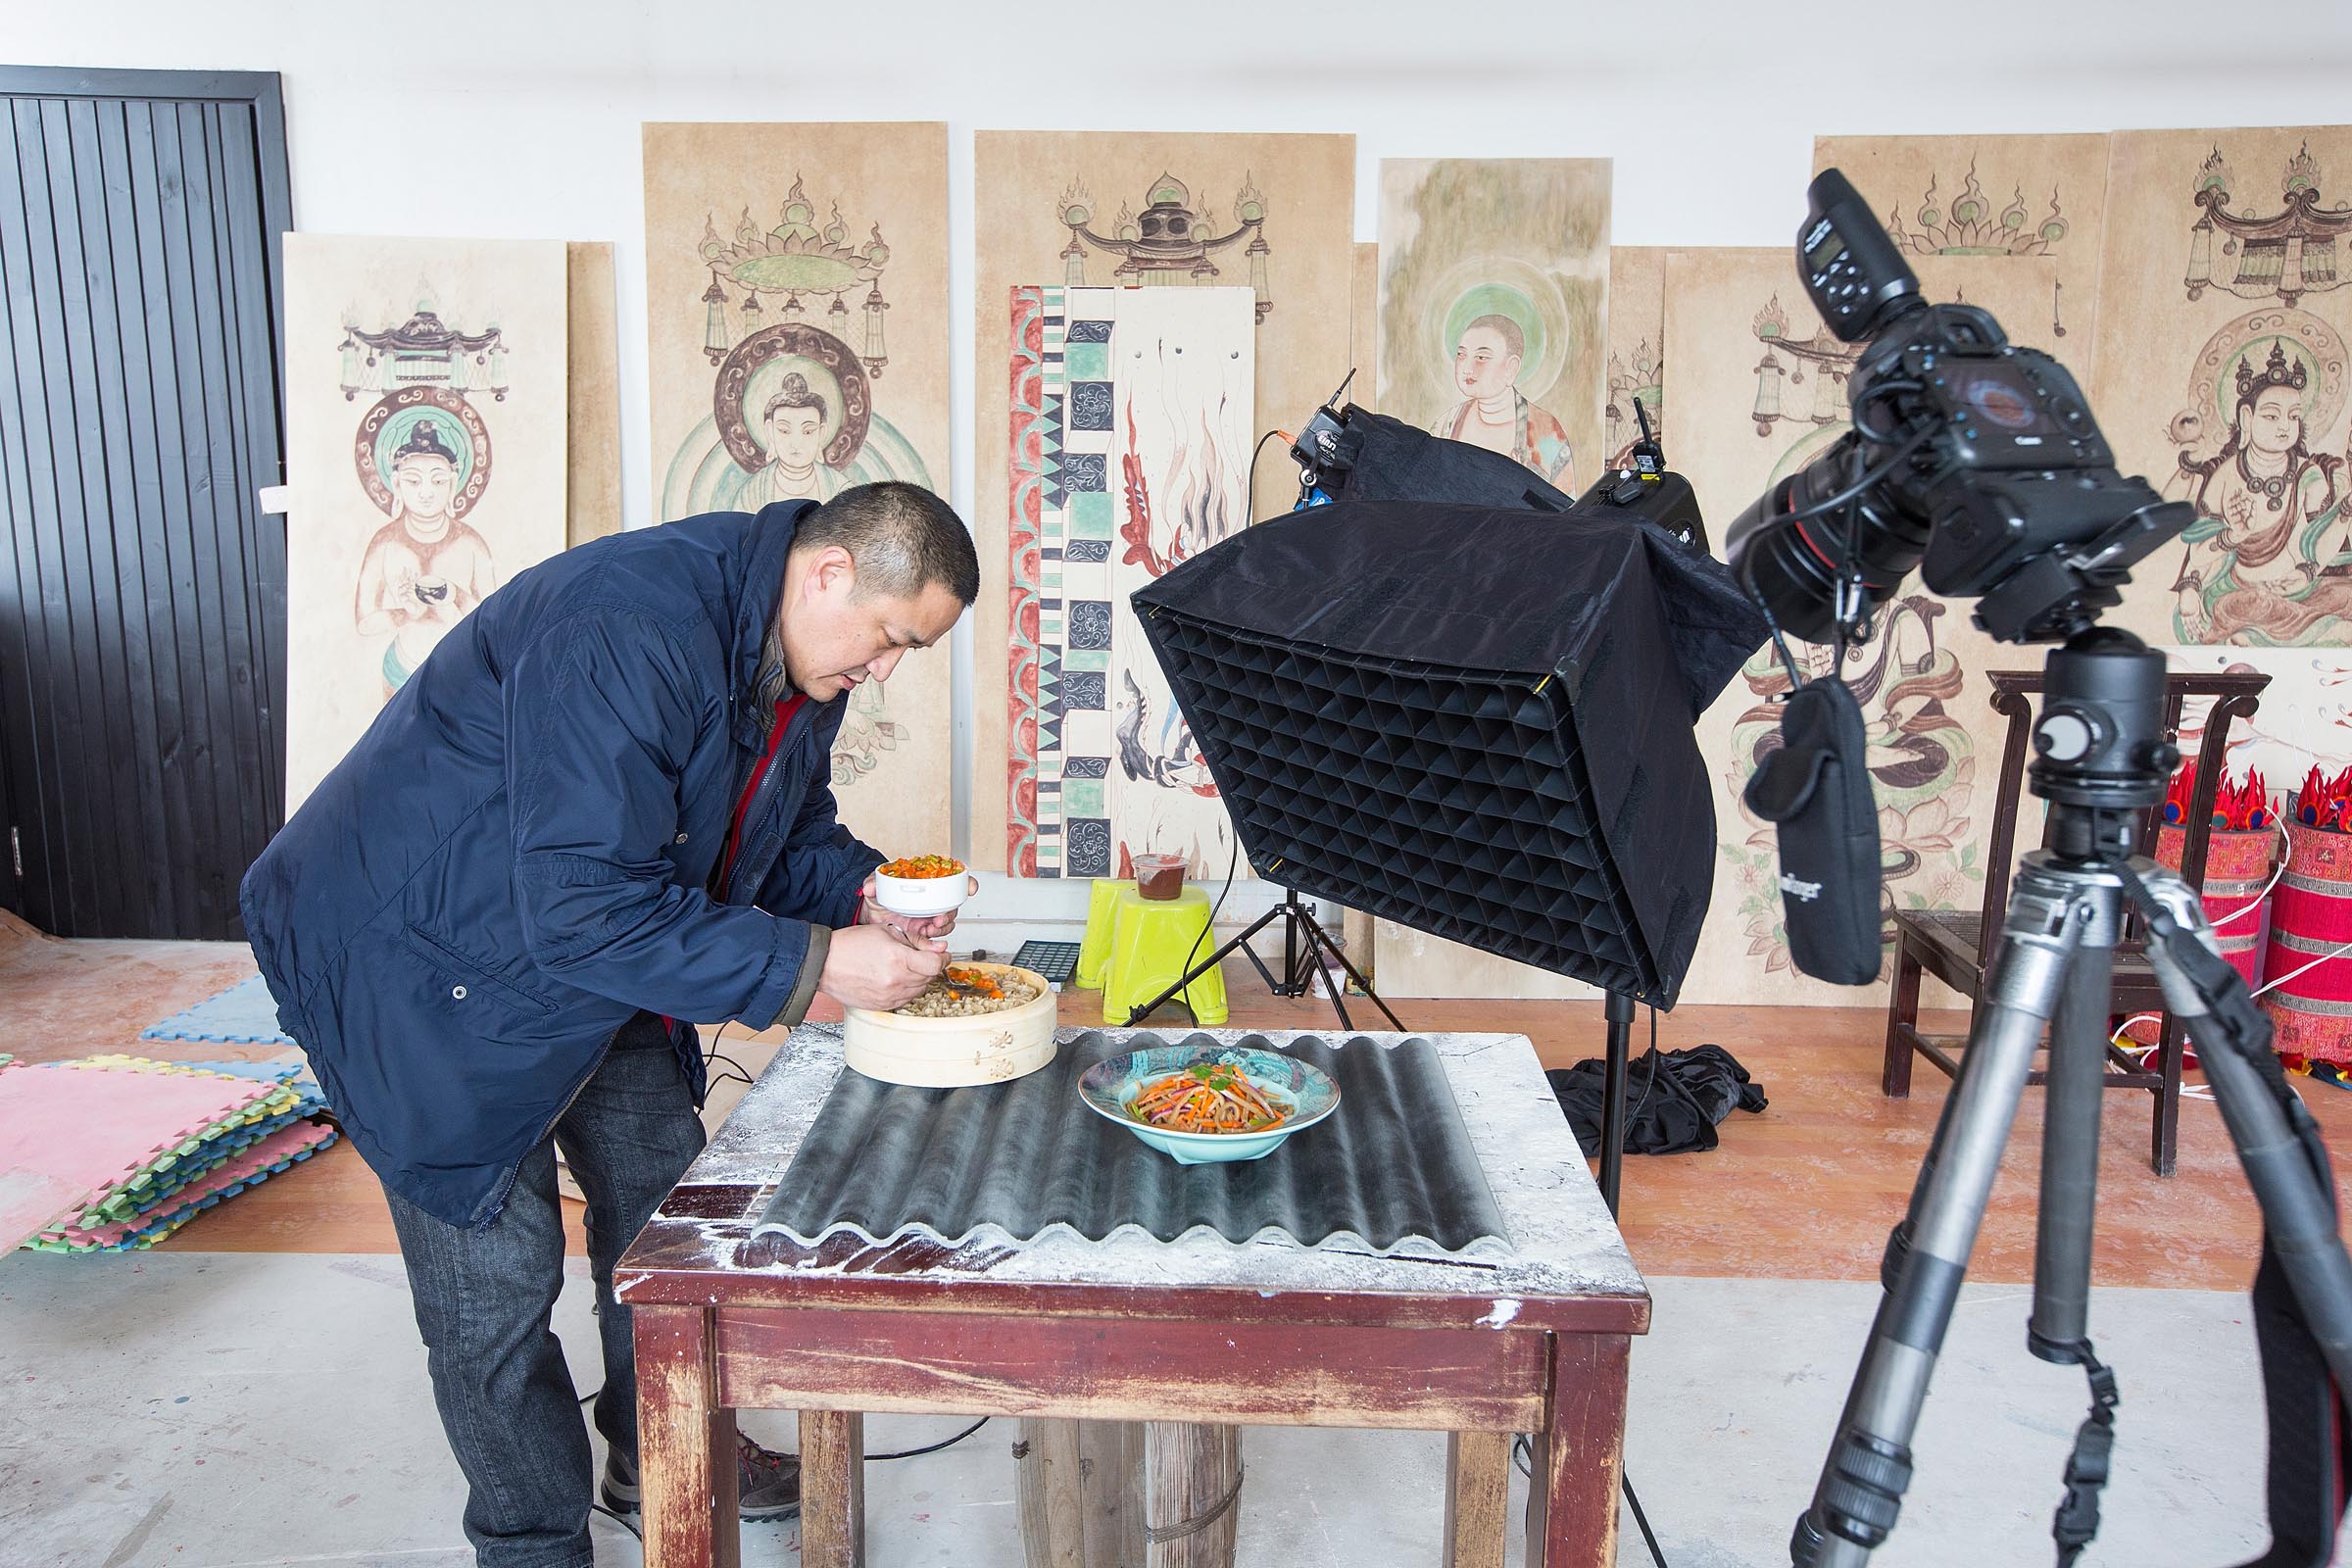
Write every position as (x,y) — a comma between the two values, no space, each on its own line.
(2237,868)
(2311,913)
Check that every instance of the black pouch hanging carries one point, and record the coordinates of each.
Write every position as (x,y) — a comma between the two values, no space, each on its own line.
(1815,790)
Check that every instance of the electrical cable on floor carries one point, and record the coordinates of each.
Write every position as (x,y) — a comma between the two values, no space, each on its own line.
(1233,864)
(1523,1454)
(945,1443)
(871,1458)
(740,1074)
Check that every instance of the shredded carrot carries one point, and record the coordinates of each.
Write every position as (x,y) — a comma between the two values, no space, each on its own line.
(971,979)
(921,867)
(1210,1098)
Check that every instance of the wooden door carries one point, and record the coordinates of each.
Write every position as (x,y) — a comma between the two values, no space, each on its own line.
(142,591)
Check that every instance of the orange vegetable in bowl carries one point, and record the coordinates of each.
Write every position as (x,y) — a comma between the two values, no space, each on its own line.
(921,867)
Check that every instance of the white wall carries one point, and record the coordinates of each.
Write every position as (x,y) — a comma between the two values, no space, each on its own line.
(521,120)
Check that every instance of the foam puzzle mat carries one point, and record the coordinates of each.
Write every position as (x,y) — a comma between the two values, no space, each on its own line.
(245,1014)
(284,1100)
(72,1133)
(265,1157)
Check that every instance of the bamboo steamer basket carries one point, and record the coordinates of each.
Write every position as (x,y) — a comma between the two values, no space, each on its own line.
(987,1048)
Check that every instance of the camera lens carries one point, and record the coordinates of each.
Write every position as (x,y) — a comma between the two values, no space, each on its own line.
(1791,564)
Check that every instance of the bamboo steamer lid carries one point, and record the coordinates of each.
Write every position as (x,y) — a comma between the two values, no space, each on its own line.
(986,1047)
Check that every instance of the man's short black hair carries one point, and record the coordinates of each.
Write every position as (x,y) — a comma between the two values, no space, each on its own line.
(903,537)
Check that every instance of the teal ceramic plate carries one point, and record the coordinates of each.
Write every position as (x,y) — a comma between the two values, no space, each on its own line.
(1306,1092)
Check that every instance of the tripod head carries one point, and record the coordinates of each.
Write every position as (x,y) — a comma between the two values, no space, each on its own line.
(2102,757)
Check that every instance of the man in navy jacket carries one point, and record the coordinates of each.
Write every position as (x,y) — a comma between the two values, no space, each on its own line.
(601,809)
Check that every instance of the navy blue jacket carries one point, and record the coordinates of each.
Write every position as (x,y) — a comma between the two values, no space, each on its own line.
(514,859)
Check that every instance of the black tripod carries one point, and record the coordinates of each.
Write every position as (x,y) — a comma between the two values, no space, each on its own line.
(1305,942)
(2102,762)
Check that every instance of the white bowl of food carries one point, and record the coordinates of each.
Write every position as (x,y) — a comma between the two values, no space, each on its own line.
(921,885)
(975,1023)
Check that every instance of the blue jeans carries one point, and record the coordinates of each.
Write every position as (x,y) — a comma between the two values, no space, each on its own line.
(484,1297)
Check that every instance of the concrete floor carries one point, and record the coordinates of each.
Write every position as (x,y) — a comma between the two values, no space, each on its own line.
(217,1409)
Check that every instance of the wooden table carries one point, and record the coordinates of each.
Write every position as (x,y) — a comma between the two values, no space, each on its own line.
(1533,1339)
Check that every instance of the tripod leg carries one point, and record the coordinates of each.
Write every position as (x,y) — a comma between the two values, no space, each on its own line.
(1294,982)
(1898,1240)
(1318,943)
(1869,1467)
(2058,1331)
(2276,1141)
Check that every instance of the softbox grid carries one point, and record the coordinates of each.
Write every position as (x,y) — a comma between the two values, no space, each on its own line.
(1452,801)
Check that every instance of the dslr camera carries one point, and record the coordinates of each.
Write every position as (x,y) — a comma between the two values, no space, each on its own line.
(1969,458)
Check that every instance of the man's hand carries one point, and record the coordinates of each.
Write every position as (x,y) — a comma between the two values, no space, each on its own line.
(924,926)
(879,967)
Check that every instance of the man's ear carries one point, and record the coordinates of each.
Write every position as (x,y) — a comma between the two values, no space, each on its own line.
(835,568)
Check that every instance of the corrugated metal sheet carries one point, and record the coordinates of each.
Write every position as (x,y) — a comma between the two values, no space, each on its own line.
(1393,1169)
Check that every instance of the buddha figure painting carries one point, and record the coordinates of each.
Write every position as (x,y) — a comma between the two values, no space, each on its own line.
(423,457)
(1493,313)
(1489,354)
(2269,560)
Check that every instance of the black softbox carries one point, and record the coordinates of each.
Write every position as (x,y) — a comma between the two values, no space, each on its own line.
(1473,723)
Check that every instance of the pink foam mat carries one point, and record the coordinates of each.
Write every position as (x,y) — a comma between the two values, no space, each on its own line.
(275,1150)
(68,1133)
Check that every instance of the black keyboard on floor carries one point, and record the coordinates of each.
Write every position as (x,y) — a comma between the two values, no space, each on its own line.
(1058,962)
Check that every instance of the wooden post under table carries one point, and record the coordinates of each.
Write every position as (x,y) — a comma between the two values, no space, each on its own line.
(1477,1498)
(832,1488)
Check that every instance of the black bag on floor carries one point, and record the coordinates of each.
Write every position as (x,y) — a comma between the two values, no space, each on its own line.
(1673,1099)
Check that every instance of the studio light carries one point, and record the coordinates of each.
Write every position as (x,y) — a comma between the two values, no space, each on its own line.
(1473,721)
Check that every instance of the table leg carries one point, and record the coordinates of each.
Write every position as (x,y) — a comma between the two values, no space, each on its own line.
(1580,1454)
(1477,1492)
(685,1443)
(832,1488)
(726,1494)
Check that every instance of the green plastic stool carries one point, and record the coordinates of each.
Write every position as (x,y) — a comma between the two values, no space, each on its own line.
(1151,944)
(1102,914)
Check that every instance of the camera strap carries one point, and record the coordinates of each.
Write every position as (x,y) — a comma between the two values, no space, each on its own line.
(2310,1463)
(2087,1467)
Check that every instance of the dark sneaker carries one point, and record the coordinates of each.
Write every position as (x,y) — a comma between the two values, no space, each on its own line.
(767,1485)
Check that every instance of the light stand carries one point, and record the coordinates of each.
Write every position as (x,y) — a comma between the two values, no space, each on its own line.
(1305,942)
(1617,1009)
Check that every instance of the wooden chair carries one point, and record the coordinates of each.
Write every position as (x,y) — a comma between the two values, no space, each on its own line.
(1951,945)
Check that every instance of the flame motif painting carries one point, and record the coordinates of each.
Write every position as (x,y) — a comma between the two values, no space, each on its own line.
(1130,455)
(1272,216)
